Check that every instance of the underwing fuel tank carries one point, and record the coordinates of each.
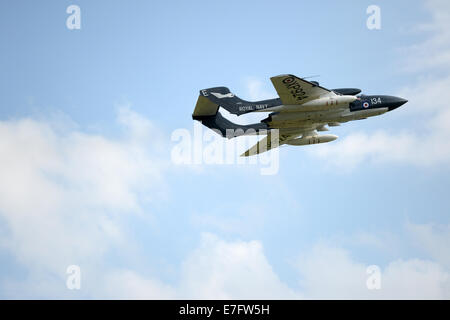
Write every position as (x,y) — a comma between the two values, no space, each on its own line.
(312,140)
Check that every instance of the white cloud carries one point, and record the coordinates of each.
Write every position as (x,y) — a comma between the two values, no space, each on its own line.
(220,269)
(415,279)
(63,195)
(433,239)
(434,52)
(215,270)
(64,198)
(362,147)
(231,270)
(127,284)
(330,273)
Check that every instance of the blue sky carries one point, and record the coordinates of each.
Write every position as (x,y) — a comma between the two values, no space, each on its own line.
(85,129)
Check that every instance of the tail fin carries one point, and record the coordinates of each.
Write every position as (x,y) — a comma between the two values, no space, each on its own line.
(204,107)
(233,104)
(207,113)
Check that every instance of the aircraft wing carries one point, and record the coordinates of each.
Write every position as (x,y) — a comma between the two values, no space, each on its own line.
(287,136)
(295,91)
(268,143)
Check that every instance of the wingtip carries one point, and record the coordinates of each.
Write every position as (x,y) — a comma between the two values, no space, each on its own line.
(282,75)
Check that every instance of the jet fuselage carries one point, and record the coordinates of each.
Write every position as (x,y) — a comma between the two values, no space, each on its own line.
(361,107)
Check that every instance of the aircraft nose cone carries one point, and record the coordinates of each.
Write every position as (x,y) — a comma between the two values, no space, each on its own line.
(401,101)
(396,102)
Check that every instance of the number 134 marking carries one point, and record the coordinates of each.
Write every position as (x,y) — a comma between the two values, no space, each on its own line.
(375,100)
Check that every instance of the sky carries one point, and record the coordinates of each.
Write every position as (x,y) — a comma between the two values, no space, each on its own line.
(89,121)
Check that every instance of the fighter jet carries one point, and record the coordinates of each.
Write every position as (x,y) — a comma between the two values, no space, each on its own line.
(303,109)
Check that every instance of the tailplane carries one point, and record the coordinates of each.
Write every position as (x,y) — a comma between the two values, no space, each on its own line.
(223,97)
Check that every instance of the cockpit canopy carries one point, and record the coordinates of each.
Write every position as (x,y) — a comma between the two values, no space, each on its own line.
(347,91)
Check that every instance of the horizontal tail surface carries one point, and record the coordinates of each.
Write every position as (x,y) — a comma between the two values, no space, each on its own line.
(222,97)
